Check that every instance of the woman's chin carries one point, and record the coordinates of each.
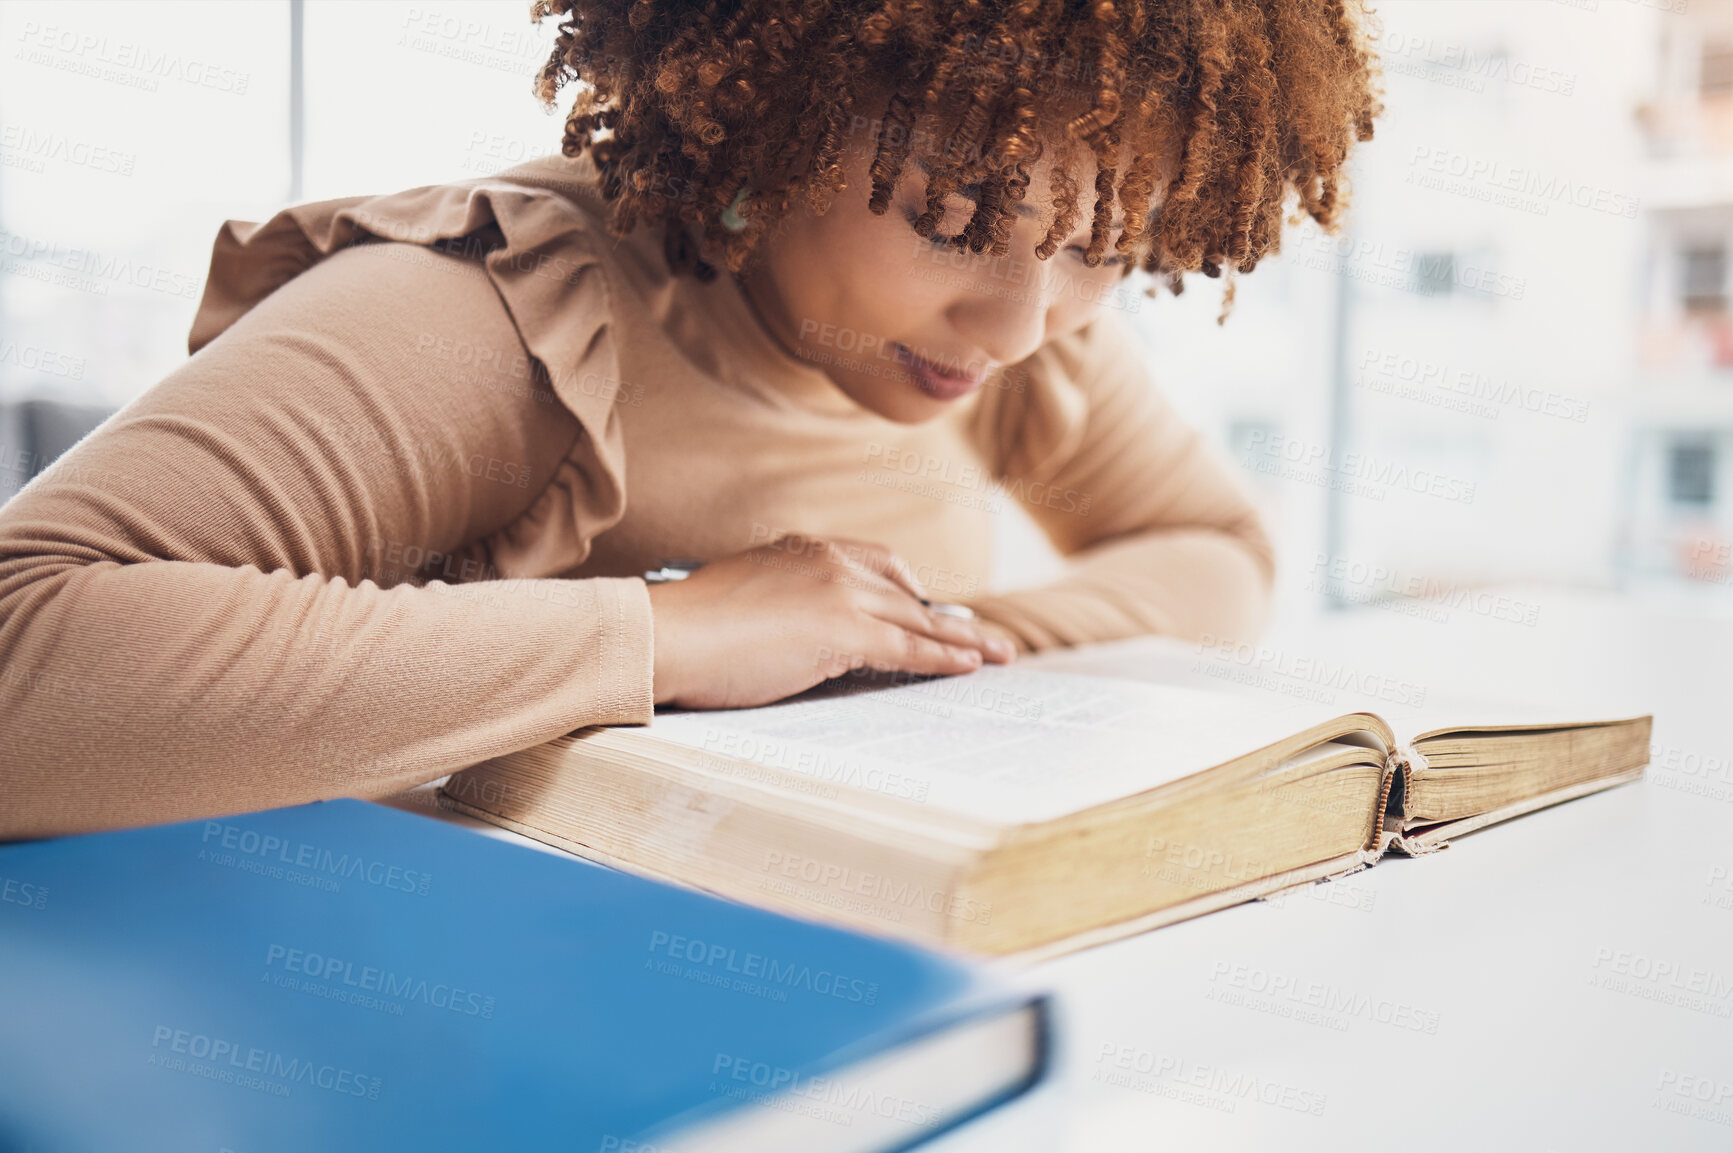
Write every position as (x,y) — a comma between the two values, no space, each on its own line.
(902,400)
(913,406)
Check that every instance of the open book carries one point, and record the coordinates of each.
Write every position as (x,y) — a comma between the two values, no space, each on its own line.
(1014,810)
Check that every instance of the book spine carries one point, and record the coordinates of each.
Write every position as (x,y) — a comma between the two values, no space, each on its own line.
(1391,818)
(1402,765)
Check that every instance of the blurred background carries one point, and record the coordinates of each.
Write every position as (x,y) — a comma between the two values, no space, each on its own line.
(1513,368)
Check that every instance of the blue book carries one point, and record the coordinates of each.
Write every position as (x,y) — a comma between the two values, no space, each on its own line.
(345,976)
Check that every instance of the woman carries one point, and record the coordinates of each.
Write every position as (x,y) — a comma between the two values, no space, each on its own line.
(817,288)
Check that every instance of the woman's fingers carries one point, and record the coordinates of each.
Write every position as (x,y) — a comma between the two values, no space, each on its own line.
(955,631)
(912,638)
(877,569)
(869,557)
(886,647)
(918,619)
(757,626)
(876,558)
(904,650)
(851,563)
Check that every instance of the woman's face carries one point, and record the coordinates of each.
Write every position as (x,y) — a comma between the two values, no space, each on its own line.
(908,328)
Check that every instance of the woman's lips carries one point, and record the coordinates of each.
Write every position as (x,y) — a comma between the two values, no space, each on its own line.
(935,381)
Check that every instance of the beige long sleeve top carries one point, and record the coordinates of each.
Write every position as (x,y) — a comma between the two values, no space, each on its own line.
(388,519)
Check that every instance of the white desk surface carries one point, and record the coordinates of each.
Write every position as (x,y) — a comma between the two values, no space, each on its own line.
(1561,982)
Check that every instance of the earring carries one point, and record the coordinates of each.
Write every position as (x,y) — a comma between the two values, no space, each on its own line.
(731,218)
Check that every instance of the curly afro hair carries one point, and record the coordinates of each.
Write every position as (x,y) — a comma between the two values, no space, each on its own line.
(713,114)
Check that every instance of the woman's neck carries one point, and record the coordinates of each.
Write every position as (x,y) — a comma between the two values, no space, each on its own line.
(766,307)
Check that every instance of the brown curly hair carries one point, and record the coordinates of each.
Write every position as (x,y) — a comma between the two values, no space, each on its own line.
(713,114)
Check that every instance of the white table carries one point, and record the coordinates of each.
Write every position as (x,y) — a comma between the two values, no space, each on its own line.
(1510,942)
(1508,993)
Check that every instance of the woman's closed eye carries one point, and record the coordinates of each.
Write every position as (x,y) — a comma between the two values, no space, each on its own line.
(1077,251)
(1111,261)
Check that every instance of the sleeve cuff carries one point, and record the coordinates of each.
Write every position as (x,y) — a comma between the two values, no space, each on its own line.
(627,655)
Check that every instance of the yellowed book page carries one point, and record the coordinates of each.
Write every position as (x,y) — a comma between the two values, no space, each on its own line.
(1413,710)
(1004,745)
(1502,719)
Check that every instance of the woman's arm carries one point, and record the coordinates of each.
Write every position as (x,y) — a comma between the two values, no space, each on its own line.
(1160,535)
(201,607)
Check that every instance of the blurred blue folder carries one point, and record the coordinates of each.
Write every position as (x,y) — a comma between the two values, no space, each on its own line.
(344,976)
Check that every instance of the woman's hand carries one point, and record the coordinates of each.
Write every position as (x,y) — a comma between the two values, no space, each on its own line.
(762,625)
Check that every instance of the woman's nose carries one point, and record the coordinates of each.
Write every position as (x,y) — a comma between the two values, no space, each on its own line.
(1003,303)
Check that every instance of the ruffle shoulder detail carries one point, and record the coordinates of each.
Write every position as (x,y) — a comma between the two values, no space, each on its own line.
(541,252)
